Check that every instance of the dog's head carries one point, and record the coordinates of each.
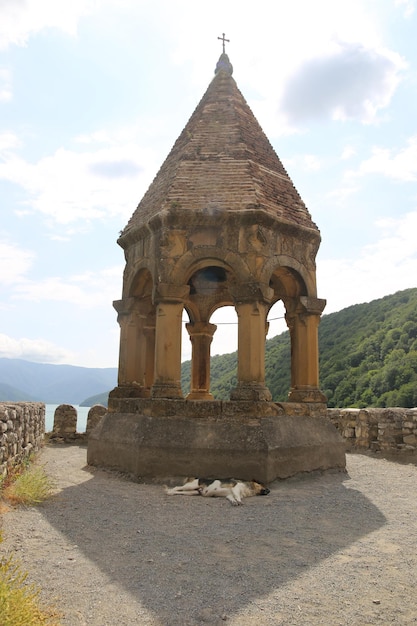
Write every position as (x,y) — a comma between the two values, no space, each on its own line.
(260,489)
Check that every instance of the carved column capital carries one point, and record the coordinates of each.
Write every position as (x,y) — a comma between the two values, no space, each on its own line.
(124,306)
(201,328)
(166,292)
(313,306)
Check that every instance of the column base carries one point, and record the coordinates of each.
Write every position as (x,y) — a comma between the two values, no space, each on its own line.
(199,394)
(130,390)
(250,391)
(306,394)
(166,390)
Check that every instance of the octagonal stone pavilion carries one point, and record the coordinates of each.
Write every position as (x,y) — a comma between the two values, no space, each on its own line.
(221,224)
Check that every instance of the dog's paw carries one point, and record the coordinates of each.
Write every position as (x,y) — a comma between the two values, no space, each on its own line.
(235,503)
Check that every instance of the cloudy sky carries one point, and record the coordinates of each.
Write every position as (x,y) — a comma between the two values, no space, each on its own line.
(93,94)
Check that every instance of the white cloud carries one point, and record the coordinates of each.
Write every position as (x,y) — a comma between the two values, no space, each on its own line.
(86,291)
(398,241)
(306,162)
(342,194)
(6,93)
(347,153)
(69,187)
(400,165)
(14,263)
(8,141)
(262,38)
(19,19)
(352,82)
(409,6)
(37,350)
(382,268)
(312,162)
(267,45)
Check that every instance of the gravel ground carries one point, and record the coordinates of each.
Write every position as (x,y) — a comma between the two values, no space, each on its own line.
(332,549)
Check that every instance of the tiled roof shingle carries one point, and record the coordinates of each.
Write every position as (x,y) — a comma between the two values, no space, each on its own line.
(223,160)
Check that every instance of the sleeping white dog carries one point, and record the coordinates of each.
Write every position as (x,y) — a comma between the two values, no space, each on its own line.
(233,490)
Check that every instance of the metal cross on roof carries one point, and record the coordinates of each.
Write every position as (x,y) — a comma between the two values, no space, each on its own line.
(223,40)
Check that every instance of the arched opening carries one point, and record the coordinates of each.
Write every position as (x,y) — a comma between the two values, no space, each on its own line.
(278,354)
(224,370)
(276,320)
(287,283)
(209,291)
(225,337)
(209,281)
(186,354)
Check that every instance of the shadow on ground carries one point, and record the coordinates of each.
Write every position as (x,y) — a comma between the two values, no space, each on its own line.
(194,560)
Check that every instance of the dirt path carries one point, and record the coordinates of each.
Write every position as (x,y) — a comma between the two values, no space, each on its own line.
(325,549)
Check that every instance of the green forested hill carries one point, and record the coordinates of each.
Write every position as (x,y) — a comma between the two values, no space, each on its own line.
(368,356)
(368,353)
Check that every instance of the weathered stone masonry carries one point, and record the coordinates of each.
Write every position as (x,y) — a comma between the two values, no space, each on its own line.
(65,423)
(390,431)
(22,427)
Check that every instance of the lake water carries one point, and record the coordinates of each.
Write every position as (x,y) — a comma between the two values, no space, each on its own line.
(82,414)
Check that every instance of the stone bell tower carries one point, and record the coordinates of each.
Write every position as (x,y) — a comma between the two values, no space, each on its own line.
(221,224)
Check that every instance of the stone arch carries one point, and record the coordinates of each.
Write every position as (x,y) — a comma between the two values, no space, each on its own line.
(299,273)
(137,277)
(141,282)
(296,287)
(210,281)
(197,258)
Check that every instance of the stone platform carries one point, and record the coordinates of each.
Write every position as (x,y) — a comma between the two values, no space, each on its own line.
(156,439)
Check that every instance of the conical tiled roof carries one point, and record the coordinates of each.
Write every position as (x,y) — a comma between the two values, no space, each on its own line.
(223,161)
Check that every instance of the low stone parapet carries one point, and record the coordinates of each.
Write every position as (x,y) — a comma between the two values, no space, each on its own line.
(387,430)
(22,428)
(94,416)
(65,423)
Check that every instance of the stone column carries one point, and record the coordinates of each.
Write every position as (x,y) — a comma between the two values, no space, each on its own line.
(201,336)
(251,352)
(303,326)
(132,350)
(149,332)
(170,304)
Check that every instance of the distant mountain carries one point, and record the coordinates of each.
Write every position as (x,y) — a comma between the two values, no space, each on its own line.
(101,398)
(11,394)
(53,384)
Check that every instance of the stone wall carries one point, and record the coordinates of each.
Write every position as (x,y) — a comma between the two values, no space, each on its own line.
(392,431)
(22,427)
